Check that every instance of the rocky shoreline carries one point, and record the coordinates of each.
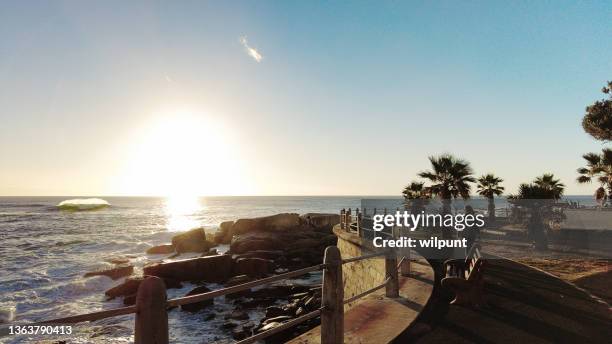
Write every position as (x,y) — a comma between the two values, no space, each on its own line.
(258,247)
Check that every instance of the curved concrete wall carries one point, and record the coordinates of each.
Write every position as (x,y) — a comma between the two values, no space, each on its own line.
(362,275)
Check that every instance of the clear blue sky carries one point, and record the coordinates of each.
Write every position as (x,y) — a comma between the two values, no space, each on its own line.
(348,98)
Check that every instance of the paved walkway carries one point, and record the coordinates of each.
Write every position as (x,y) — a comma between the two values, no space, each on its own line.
(523,305)
(377,319)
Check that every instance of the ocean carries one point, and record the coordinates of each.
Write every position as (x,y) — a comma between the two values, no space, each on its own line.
(46,251)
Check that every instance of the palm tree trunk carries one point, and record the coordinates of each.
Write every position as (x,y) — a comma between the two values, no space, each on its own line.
(537,231)
(447,233)
(491,210)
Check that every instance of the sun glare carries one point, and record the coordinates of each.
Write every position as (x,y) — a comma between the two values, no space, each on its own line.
(183,154)
(181,212)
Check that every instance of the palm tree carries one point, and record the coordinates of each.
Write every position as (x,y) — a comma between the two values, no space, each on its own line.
(538,200)
(416,196)
(488,186)
(599,166)
(450,178)
(548,181)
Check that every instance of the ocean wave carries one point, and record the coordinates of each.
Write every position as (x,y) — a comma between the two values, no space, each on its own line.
(7,314)
(83,204)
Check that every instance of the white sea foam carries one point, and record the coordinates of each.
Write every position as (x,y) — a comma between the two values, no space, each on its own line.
(83,204)
(7,314)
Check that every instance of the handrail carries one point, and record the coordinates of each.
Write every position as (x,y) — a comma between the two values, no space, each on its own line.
(230,290)
(369,291)
(333,272)
(367,256)
(281,327)
(180,301)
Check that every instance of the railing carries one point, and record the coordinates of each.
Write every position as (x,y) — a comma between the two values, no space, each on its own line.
(359,221)
(151,322)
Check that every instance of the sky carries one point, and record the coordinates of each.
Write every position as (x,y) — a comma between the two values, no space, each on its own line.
(293,97)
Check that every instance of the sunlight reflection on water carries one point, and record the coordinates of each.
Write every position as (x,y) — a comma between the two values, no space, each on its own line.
(181,212)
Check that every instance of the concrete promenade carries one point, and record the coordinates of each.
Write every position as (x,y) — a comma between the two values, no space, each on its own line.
(523,305)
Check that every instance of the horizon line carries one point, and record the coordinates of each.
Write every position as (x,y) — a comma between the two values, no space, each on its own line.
(167,196)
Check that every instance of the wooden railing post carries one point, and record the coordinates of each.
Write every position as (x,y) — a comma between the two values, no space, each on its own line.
(151,325)
(405,268)
(392,287)
(332,301)
(342,218)
(359,216)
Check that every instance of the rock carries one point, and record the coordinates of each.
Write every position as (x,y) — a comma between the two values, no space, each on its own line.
(161,249)
(259,302)
(275,311)
(280,319)
(214,269)
(192,241)
(194,307)
(129,300)
(253,267)
(299,295)
(320,220)
(236,280)
(238,315)
(129,287)
(268,327)
(257,241)
(172,283)
(263,254)
(224,234)
(228,325)
(211,252)
(209,316)
(274,223)
(240,333)
(114,273)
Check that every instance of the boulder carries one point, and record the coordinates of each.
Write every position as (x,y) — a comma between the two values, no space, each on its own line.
(114,273)
(279,319)
(268,326)
(161,249)
(214,269)
(194,307)
(256,241)
(273,255)
(129,287)
(275,311)
(225,233)
(321,220)
(240,333)
(129,300)
(236,280)
(253,267)
(192,241)
(274,223)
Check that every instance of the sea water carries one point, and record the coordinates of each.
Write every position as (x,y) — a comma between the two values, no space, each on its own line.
(45,251)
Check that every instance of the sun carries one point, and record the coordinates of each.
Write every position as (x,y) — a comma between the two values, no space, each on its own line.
(181,154)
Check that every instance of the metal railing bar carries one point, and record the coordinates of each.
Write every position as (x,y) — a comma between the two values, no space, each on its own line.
(400,262)
(281,327)
(355,259)
(174,302)
(220,292)
(75,318)
(369,291)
